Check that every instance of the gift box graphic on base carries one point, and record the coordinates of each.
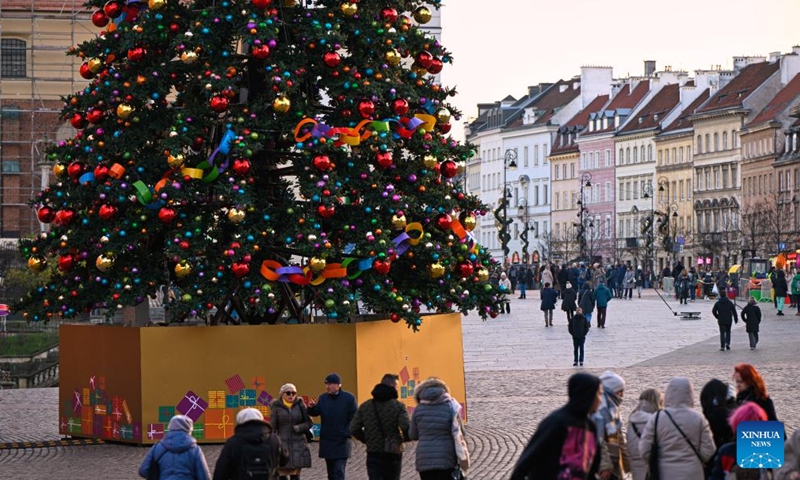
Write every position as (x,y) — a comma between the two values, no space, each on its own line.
(192,406)
(264,398)
(165,413)
(247,397)
(74,425)
(87,420)
(155,431)
(199,431)
(219,423)
(216,399)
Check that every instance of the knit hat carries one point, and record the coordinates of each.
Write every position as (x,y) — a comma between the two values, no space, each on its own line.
(333,378)
(612,381)
(248,415)
(287,387)
(181,423)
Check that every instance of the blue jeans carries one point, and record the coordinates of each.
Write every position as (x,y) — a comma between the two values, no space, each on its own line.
(588,317)
(522,286)
(336,468)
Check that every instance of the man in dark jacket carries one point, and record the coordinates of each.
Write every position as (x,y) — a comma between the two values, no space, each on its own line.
(602,296)
(751,316)
(382,424)
(725,313)
(563,278)
(549,298)
(252,447)
(337,409)
(586,302)
(578,327)
(565,443)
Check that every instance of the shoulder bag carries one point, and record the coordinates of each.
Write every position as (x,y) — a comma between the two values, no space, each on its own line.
(654,473)
(391,444)
(309,434)
(154,472)
(685,438)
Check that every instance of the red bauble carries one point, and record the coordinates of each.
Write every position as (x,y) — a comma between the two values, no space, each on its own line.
(219,103)
(86,72)
(389,15)
(384,159)
(112,9)
(366,108)
(240,269)
(167,215)
(435,66)
(101,172)
(99,19)
(394,317)
(493,314)
(64,218)
(400,106)
(423,59)
(332,59)
(66,262)
(444,222)
(78,121)
(75,169)
(241,166)
(261,3)
(382,266)
(322,163)
(131,13)
(444,127)
(326,211)
(136,54)
(107,212)
(46,214)
(449,169)
(95,115)
(261,52)
(465,269)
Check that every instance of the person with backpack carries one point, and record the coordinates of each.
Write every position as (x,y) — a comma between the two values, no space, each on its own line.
(176,455)
(586,301)
(336,408)
(382,424)
(290,420)
(253,452)
(795,287)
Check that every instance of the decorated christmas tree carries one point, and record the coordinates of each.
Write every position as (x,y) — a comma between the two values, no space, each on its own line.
(260,157)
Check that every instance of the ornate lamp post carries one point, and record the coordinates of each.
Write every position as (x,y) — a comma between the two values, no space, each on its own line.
(501,213)
(648,226)
(586,181)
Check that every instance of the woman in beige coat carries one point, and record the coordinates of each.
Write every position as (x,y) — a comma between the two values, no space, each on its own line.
(650,402)
(679,457)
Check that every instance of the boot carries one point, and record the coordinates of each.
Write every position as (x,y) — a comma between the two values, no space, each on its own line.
(294,477)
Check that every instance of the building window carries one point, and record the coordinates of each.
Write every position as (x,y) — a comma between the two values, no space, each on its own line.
(699,144)
(628,155)
(525,156)
(558,201)
(544,153)
(608,158)
(724,140)
(10,166)
(536,154)
(13,58)
(660,157)
(716,142)
(564,171)
(572,170)
(621,157)
(546,195)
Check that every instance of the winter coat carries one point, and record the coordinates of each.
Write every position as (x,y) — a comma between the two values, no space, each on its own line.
(337,411)
(432,424)
(568,302)
(392,414)
(565,444)
(179,458)
(751,316)
(676,457)
(549,297)
(749,395)
(291,427)
(630,280)
(795,285)
(563,277)
(254,432)
(725,312)
(639,277)
(598,275)
(586,301)
(547,277)
(717,407)
(636,423)
(780,286)
(578,327)
(791,460)
(602,295)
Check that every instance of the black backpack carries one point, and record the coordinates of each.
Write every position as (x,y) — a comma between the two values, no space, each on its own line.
(256,462)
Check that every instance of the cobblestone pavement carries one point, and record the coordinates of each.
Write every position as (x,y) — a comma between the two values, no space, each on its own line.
(516,372)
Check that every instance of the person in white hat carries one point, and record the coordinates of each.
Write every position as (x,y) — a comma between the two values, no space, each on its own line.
(609,427)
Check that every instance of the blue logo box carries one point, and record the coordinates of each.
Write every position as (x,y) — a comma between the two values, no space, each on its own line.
(760,444)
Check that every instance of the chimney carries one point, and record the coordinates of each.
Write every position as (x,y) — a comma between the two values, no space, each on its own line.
(562,88)
(649,67)
(774,57)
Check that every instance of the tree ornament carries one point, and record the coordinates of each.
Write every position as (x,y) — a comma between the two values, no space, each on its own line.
(423,59)
(262,4)
(241,166)
(332,59)
(423,15)
(175,161)
(95,115)
(483,274)
(317,264)
(235,215)
(107,212)
(381,266)
(183,268)
(101,172)
(260,52)
(219,103)
(326,211)
(281,104)
(167,215)
(442,115)
(95,64)
(469,221)
(124,111)
(75,169)
(444,222)
(435,67)
(443,127)
(465,269)
(430,162)
(86,71)
(189,57)
(240,269)
(349,9)
(366,108)
(104,262)
(113,9)
(389,14)
(59,169)
(437,270)
(99,18)
(384,159)
(46,214)
(399,221)
(64,218)
(66,262)
(78,121)
(322,163)
(400,106)
(395,318)
(156,4)
(449,169)
(392,57)
(136,54)
(37,263)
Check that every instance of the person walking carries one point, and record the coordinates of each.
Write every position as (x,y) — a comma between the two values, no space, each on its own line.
(751,316)
(630,281)
(725,313)
(563,279)
(578,328)
(639,280)
(436,422)
(586,301)
(750,387)
(177,454)
(336,408)
(290,421)
(681,434)
(682,284)
(252,452)
(513,272)
(602,296)
(546,275)
(725,462)
(523,281)
(569,300)
(650,402)
(717,402)
(796,290)
(614,456)
(565,444)
(549,298)
(781,289)
(505,287)
(382,424)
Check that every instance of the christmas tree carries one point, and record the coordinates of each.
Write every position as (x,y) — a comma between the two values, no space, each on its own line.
(261,156)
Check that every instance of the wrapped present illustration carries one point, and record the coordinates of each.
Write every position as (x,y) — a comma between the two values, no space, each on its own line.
(100,410)
(77,401)
(231,401)
(165,413)
(87,396)
(87,420)
(265,410)
(108,427)
(98,397)
(126,432)
(404,375)
(234,384)
(412,384)
(264,398)
(115,434)
(137,430)
(93,382)
(74,425)
(416,374)
(98,426)
(192,405)
(155,431)
(101,382)
(62,425)
(216,399)
(127,411)
(247,397)
(219,423)
(257,382)
(116,413)
(199,431)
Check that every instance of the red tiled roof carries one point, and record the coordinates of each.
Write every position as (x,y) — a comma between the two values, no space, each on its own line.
(741,87)
(580,120)
(627,99)
(683,119)
(785,98)
(553,99)
(659,106)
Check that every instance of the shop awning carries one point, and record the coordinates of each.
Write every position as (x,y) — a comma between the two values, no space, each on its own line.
(734,269)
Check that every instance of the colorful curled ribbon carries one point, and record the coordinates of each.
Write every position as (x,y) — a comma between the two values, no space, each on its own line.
(354,136)
(224,148)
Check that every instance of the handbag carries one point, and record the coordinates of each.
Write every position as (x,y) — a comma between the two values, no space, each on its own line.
(154,472)
(653,471)
(309,434)
(391,444)
(458,474)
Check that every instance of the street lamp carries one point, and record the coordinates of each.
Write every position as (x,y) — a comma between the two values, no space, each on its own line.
(586,181)
(648,226)
(523,212)
(501,213)
(668,229)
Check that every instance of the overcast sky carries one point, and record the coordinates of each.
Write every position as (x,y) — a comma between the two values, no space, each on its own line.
(502,46)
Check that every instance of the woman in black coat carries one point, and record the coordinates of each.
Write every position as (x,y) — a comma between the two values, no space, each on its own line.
(718,403)
(781,289)
(290,419)
(751,316)
(569,300)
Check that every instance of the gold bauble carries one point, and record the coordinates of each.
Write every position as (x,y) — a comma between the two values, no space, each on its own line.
(430,161)
(188,57)
(95,65)
(317,264)
(483,274)
(59,169)
(423,15)
(104,262)
(437,270)
(469,222)
(442,116)
(281,104)
(156,4)
(235,215)
(175,161)
(419,70)
(392,57)
(349,9)
(183,268)
(399,221)
(37,264)
(288,3)
(124,111)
